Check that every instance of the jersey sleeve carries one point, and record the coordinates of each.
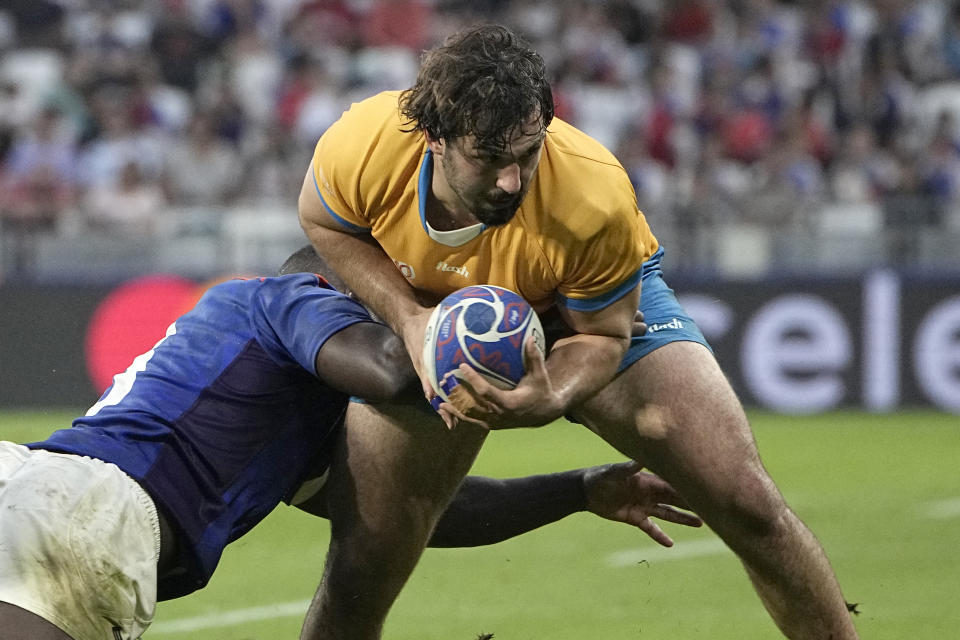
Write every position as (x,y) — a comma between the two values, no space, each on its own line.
(298,316)
(336,168)
(606,263)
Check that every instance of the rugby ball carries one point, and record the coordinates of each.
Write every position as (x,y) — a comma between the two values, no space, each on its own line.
(484,326)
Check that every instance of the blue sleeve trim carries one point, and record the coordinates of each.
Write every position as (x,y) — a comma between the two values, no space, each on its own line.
(348,225)
(423,187)
(603,301)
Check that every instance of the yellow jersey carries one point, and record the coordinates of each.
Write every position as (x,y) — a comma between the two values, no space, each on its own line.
(577,239)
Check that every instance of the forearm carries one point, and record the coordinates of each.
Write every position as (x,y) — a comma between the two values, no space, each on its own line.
(488,510)
(369,361)
(367,271)
(581,365)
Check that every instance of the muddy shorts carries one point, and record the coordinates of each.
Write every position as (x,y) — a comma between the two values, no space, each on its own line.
(79,543)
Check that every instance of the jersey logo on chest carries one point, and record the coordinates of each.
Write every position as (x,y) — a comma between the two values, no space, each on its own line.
(443,266)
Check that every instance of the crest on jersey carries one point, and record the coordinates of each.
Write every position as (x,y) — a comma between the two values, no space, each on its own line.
(405,269)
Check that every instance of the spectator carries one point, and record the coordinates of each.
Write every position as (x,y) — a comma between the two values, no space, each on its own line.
(255,75)
(202,169)
(132,206)
(863,172)
(180,49)
(37,189)
(272,166)
(119,139)
(312,106)
(48,147)
(35,202)
(936,173)
(30,207)
(12,116)
(908,210)
(38,22)
(400,23)
(324,23)
(712,89)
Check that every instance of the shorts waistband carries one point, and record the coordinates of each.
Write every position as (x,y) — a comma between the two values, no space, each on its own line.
(144,499)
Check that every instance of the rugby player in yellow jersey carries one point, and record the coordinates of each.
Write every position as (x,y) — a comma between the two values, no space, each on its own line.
(465,179)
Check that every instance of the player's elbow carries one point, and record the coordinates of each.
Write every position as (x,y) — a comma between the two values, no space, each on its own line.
(305,202)
(310,210)
(610,351)
(309,223)
(619,346)
(396,379)
(396,387)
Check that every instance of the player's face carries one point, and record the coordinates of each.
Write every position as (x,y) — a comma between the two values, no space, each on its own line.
(491,187)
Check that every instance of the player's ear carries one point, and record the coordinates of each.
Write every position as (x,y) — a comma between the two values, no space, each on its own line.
(436,145)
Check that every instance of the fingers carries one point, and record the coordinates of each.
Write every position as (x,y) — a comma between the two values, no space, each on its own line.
(452,416)
(535,367)
(478,385)
(650,528)
(462,403)
(428,391)
(530,403)
(450,420)
(628,468)
(668,500)
(658,489)
(477,396)
(670,514)
(473,394)
(639,326)
(533,361)
(447,412)
(651,497)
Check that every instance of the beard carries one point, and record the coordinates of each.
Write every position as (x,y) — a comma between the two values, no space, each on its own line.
(497,214)
(493,209)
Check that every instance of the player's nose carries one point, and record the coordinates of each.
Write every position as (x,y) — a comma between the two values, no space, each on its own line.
(508,178)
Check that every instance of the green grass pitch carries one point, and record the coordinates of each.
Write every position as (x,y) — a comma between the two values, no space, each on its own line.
(882,492)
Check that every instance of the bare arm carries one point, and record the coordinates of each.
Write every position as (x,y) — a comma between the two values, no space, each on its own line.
(577,367)
(368,360)
(365,268)
(581,364)
(489,510)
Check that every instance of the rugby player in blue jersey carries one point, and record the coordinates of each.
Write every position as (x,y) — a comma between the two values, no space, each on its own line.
(237,408)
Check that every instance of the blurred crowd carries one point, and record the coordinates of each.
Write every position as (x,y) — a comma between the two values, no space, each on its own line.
(114,111)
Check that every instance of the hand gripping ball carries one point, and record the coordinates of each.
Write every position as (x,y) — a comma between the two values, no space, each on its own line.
(484,326)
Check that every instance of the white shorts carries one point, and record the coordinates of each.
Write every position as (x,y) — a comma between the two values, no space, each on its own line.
(79,543)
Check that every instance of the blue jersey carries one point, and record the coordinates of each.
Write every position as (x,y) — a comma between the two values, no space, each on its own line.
(225,417)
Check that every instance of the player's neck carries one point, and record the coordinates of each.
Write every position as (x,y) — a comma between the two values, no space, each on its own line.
(444,211)
(441,218)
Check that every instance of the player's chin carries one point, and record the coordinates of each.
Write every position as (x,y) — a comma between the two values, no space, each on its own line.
(497,216)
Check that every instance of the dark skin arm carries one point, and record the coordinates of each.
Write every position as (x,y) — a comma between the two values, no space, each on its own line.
(489,510)
(368,360)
